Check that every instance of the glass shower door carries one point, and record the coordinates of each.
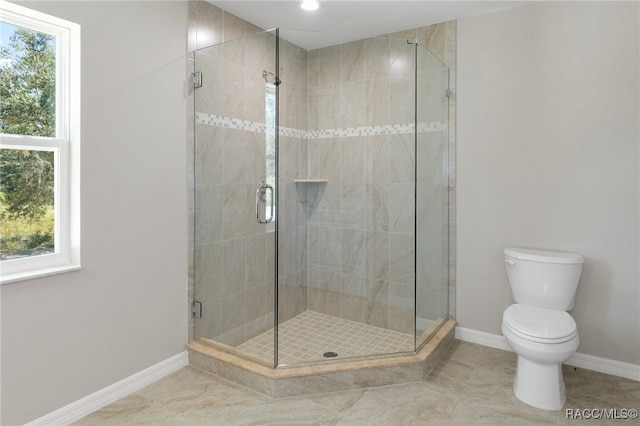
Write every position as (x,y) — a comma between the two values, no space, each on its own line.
(432,194)
(235,110)
(321,204)
(346,254)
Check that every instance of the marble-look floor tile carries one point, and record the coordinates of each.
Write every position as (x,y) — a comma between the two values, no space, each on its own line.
(491,388)
(477,355)
(277,412)
(611,391)
(472,385)
(467,414)
(338,401)
(449,378)
(410,404)
(187,392)
(123,411)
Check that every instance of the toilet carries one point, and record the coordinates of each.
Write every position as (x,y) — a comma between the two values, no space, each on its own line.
(537,326)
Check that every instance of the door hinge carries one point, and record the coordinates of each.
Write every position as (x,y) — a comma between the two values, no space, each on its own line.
(448,93)
(196,309)
(196,79)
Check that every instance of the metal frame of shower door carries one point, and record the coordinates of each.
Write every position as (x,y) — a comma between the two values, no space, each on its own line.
(276,307)
(415,192)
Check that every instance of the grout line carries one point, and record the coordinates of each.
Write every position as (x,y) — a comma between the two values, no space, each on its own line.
(331,333)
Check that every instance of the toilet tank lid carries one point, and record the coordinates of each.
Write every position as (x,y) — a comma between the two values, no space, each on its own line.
(544,256)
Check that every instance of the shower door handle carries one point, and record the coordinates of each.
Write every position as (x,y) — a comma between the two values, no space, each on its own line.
(261,196)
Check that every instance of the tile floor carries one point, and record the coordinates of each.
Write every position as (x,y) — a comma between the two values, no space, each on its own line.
(472,385)
(306,337)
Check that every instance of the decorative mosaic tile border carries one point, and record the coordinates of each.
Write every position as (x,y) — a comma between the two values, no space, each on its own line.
(228,122)
(388,129)
(252,126)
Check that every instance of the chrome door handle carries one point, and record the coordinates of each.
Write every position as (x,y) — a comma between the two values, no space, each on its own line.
(261,195)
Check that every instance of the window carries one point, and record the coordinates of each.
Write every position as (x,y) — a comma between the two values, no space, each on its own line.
(39,144)
(270,136)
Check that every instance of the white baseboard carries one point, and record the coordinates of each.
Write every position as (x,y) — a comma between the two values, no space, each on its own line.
(91,403)
(604,365)
(482,338)
(588,362)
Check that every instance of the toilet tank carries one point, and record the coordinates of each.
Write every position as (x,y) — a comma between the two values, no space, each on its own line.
(543,278)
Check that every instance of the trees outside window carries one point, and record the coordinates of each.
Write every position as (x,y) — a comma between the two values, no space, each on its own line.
(27,107)
(39,144)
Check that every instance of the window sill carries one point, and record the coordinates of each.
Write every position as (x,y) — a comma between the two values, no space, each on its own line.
(39,273)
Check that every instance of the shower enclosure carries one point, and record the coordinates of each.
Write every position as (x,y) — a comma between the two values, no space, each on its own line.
(321,198)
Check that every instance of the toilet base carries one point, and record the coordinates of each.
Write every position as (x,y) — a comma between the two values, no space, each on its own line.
(540,385)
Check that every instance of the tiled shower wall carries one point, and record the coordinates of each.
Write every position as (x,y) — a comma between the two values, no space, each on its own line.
(440,40)
(361,243)
(338,204)
(361,227)
(226,240)
(234,253)
(292,226)
(233,277)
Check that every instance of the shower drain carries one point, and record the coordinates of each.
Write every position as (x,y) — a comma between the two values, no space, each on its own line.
(330,354)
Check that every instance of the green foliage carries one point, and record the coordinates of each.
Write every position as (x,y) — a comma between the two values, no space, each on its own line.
(28,84)
(27,107)
(20,237)
(26,183)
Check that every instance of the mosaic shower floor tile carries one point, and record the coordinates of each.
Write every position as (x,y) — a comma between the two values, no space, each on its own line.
(308,336)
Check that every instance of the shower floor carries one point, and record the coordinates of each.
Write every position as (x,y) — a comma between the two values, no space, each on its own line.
(307,336)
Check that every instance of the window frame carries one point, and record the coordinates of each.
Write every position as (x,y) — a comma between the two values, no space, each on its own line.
(65,145)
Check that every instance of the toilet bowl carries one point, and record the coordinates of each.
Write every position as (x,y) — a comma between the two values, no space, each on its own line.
(542,339)
(537,326)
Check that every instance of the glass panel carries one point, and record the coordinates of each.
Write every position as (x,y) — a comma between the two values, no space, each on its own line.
(346,252)
(292,164)
(27,81)
(27,212)
(234,157)
(333,131)
(432,233)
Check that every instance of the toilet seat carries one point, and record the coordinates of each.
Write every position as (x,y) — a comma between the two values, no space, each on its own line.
(540,324)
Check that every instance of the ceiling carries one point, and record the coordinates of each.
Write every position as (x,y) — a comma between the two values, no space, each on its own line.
(343,21)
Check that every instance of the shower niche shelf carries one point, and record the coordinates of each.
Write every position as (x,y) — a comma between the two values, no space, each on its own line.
(310,180)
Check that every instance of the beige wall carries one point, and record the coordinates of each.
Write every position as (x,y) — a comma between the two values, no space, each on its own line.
(548,158)
(67,336)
